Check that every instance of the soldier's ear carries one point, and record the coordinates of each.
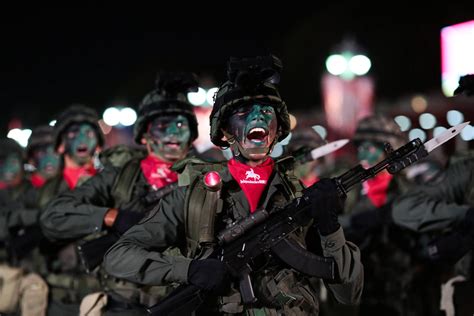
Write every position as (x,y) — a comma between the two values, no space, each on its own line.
(61,149)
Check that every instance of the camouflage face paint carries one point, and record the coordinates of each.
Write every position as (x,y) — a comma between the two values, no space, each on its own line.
(169,137)
(255,126)
(46,161)
(369,153)
(81,143)
(11,170)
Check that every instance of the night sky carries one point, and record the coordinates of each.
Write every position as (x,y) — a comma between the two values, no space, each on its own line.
(53,58)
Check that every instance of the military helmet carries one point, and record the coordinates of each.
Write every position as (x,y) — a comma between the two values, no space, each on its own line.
(9,146)
(169,97)
(76,113)
(304,137)
(249,80)
(41,136)
(379,129)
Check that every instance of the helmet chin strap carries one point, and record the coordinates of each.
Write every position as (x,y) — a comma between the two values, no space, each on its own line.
(237,148)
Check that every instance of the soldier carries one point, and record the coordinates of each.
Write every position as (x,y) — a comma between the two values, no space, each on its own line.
(118,197)
(78,139)
(22,288)
(40,153)
(250,117)
(302,141)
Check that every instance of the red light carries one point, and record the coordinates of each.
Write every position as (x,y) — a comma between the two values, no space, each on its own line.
(212,180)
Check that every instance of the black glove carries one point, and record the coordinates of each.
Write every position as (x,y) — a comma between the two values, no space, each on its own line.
(210,275)
(23,240)
(126,219)
(325,205)
(451,247)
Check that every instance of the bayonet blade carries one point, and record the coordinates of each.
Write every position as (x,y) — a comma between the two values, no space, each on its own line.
(328,148)
(444,137)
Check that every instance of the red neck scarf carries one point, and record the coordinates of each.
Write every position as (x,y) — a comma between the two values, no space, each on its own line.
(157,172)
(72,175)
(309,181)
(37,180)
(252,180)
(377,187)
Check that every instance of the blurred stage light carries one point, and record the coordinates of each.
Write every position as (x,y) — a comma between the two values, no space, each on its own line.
(336,64)
(197,98)
(467,133)
(128,116)
(52,123)
(438,130)
(454,117)
(111,116)
(210,95)
(419,104)
(321,130)
(427,120)
(417,133)
(403,121)
(21,136)
(457,49)
(360,65)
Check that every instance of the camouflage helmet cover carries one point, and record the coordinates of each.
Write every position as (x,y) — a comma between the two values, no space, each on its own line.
(249,80)
(41,136)
(169,97)
(380,129)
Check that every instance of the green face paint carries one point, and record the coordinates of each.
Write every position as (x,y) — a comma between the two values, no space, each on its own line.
(81,143)
(370,153)
(46,161)
(11,170)
(255,127)
(169,137)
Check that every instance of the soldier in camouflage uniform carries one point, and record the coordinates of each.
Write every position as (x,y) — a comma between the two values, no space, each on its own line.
(116,198)
(22,289)
(77,139)
(250,117)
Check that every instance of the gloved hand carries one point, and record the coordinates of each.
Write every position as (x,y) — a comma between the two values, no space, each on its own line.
(326,204)
(210,275)
(451,247)
(126,219)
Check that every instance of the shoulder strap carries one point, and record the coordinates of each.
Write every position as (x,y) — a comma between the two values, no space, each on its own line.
(201,207)
(123,185)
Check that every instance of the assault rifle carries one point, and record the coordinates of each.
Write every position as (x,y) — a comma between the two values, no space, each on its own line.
(265,232)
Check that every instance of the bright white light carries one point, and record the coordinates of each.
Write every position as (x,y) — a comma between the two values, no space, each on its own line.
(197,98)
(128,116)
(427,120)
(111,116)
(320,130)
(360,64)
(403,121)
(454,117)
(417,133)
(438,130)
(336,64)
(210,95)
(21,136)
(467,133)
(52,123)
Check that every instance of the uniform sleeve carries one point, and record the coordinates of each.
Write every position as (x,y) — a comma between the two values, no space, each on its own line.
(351,271)
(77,213)
(438,205)
(139,256)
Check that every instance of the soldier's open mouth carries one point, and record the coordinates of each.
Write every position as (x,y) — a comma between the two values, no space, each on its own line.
(257,135)
(82,150)
(173,144)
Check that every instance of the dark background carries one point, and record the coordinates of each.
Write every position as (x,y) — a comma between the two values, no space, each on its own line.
(51,58)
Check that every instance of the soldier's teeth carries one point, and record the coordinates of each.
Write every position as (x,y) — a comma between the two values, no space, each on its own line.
(256,130)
